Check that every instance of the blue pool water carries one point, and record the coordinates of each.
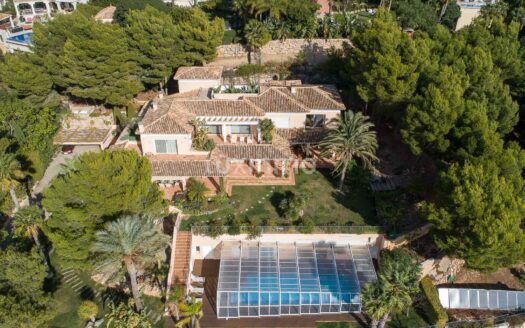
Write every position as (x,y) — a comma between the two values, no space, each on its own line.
(26,38)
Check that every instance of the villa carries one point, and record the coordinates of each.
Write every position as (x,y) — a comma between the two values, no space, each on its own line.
(232,116)
(28,10)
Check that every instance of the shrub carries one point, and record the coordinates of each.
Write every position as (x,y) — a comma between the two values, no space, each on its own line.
(87,310)
(434,312)
(307,225)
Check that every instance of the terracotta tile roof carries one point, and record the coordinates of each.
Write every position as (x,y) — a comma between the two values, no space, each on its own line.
(277,100)
(81,136)
(190,168)
(302,136)
(199,73)
(219,107)
(4,16)
(106,13)
(263,152)
(319,97)
(167,119)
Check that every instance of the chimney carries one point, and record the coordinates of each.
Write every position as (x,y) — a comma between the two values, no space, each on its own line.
(293,90)
(161,95)
(154,105)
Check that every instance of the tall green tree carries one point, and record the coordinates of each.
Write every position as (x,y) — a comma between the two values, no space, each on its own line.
(256,35)
(98,65)
(103,186)
(27,222)
(24,74)
(11,174)
(415,14)
(478,216)
(383,62)
(199,37)
(131,243)
(23,302)
(154,35)
(393,291)
(351,138)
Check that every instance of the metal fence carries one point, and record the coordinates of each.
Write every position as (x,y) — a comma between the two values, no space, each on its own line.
(207,230)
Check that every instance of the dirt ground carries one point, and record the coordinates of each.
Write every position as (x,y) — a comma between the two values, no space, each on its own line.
(501,279)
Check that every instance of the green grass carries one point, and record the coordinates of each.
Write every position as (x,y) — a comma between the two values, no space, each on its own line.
(327,206)
(68,300)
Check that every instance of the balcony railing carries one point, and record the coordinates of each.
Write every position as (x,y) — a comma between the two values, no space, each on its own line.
(206,230)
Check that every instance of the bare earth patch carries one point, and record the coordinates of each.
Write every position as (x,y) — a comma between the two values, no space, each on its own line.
(501,279)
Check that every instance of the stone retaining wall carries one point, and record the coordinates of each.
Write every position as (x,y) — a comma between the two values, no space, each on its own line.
(315,51)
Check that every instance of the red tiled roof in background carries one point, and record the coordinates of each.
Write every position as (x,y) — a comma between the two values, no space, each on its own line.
(325,6)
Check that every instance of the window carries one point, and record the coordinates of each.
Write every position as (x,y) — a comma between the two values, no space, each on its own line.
(214,129)
(240,129)
(166,146)
(315,121)
(198,248)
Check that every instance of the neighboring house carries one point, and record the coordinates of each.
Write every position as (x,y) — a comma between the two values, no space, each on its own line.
(29,10)
(83,129)
(470,10)
(106,14)
(299,113)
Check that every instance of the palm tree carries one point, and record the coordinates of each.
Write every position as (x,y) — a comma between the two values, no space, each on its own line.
(267,129)
(192,313)
(130,243)
(26,223)
(351,137)
(197,191)
(10,174)
(383,297)
(392,292)
(256,35)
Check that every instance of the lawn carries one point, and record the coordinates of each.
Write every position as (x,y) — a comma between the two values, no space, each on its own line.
(327,206)
(68,299)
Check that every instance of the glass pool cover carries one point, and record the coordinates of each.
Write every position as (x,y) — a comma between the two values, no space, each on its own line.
(273,278)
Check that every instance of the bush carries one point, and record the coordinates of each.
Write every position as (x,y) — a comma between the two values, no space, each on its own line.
(434,312)
(87,310)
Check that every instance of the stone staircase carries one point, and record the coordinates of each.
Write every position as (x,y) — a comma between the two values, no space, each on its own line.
(182,257)
(254,181)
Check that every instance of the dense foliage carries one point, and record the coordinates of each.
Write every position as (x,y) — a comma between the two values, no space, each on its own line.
(454,98)
(100,187)
(23,301)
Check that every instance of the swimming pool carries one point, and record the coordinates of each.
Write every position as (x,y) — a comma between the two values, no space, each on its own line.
(273,279)
(25,38)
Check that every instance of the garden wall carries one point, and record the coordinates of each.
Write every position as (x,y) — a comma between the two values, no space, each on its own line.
(315,50)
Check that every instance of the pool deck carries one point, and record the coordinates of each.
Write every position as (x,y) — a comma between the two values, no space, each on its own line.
(210,270)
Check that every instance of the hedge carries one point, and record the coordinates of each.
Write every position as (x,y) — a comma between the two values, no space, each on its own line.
(434,312)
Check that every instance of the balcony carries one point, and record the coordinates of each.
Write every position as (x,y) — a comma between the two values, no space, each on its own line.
(246,139)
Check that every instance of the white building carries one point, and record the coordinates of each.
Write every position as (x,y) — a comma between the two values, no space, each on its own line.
(28,10)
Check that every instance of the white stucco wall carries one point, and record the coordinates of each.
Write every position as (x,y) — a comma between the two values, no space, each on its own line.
(210,247)
(188,85)
(183,142)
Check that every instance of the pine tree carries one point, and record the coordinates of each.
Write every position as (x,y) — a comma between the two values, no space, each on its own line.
(198,37)
(478,216)
(103,186)
(98,65)
(153,34)
(24,74)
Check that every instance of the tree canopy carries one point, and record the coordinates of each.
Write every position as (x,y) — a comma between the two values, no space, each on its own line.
(23,301)
(478,216)
(101,187)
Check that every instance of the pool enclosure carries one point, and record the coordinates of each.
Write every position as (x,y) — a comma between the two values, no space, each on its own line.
(259,279)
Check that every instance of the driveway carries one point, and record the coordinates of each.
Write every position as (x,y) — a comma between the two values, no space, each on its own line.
(54,167)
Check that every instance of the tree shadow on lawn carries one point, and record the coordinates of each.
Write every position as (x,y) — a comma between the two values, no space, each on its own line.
(277,198)
(356,196)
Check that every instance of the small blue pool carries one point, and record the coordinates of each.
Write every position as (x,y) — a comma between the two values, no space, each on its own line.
(25,38)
